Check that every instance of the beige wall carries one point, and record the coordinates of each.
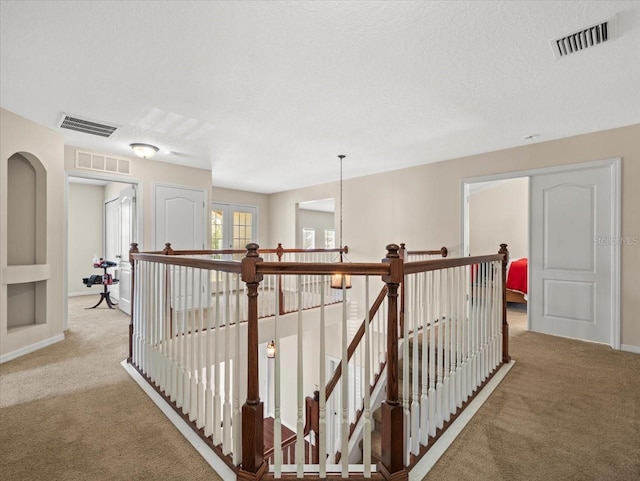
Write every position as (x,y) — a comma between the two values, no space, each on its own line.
(499,212)
(421,205)
(148,172)
(85,234)
(21,135)
(112,190)
(241,197)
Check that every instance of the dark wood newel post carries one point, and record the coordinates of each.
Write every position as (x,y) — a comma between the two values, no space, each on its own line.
(392,466)
(253,465)
(505,325)
(133,249)
(168,250)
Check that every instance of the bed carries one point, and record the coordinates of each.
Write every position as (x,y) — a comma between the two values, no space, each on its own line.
(517,288)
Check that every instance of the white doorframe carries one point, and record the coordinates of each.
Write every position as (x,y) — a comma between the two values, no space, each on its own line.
(616,191)
(139,224)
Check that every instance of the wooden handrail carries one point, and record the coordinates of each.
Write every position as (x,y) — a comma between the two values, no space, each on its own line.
(326,268)
(209,264)
(437,264)
(443,251)
(355,341)
(285,444)
(195,252)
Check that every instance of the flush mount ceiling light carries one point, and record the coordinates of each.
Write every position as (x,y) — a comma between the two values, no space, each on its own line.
(144,150)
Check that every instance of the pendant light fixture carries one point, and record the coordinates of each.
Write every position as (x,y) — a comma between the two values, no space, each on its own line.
(341,281)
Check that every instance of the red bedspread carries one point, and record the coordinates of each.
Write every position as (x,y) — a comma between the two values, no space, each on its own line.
(517,276)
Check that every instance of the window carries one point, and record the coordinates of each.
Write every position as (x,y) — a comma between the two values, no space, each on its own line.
(216,230)
(329,239)
(308,238)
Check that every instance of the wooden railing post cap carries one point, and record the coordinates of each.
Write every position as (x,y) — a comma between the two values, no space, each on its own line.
(503,250)
(168,250)
(252,249)
(133,248)
(393,251)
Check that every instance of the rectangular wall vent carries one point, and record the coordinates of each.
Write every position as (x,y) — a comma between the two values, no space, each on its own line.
(87,126)
(584,38)
(102,163)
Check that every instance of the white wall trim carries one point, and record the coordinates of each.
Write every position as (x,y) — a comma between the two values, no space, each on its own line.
(630,348)
(31,348)
(219,466)
(616,271)
(427,462)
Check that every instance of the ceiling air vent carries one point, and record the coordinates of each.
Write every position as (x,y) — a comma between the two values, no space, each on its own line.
(87,126)
(584,38)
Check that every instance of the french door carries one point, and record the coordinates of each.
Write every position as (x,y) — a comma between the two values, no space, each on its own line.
(233,226)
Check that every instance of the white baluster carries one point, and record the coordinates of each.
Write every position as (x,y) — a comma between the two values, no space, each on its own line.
(172,345)
(209,363)
(188,323)
(453,381)
(215,371)
(323,382)
(344,428)
(226,445)
(300,380)
(439,356)
(433,397)
(237,418)
(424,397)
(277,425)
(366,448)
(459,333)
(415,366)
(200,383)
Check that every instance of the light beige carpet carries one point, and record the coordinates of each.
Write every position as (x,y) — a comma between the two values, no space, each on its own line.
(70,412)
(568,410)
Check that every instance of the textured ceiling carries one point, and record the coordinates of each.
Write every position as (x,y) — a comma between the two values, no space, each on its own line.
(267,94)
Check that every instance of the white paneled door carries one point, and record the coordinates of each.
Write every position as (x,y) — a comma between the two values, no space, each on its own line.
(573,254)
(120,223)
(179,218)
(127,236)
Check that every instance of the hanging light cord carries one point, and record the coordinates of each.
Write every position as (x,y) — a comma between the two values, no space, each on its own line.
(341,157)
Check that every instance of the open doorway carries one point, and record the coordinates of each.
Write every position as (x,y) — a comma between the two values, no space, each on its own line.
(315,224)
(497,211)
(102,220)
(573,257)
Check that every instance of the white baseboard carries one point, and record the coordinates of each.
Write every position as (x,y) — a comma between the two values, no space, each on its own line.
(219,466)
(630,348)
(427,461)
(30,348)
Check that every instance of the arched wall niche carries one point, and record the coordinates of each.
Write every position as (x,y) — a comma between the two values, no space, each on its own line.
(26,210)
(26,237)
